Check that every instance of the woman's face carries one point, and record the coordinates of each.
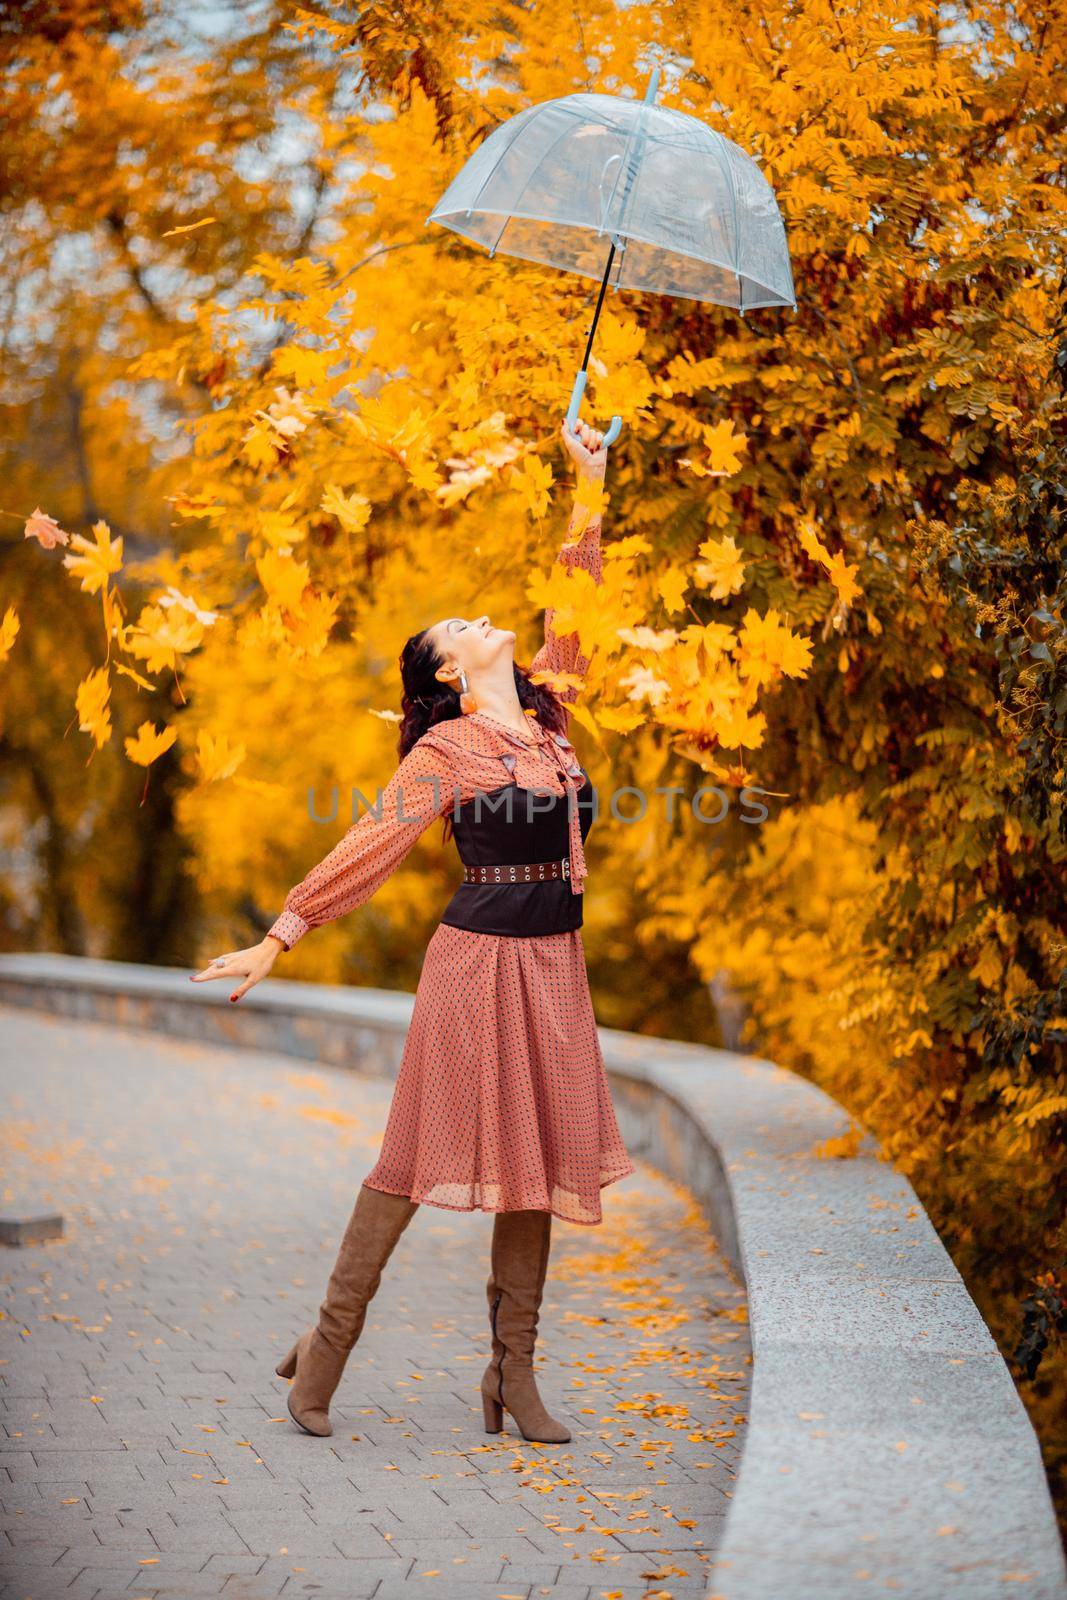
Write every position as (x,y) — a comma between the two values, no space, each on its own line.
(469,644)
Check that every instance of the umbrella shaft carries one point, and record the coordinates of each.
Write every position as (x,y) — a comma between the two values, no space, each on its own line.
(596,314)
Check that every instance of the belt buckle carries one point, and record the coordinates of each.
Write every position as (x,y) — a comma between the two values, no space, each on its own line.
(566,866)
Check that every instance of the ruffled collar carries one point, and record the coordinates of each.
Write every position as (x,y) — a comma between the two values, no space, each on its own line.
(540,734)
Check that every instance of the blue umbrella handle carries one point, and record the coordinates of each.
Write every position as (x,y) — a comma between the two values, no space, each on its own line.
(577,392)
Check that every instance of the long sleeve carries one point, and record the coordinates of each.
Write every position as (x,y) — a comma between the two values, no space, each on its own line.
(561,653)
(374,846)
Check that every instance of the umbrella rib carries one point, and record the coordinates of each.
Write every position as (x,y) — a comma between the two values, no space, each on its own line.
(493,169)
(509,215)
(733,195)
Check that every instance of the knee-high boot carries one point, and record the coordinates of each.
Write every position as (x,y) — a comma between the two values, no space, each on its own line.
(521,1242)
(317,1360)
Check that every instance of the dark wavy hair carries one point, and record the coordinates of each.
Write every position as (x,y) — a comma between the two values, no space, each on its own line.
(425,701)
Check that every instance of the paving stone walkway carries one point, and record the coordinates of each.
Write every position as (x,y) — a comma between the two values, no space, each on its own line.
(146,1449)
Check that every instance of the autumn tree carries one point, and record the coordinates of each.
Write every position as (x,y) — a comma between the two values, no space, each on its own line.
(835,549)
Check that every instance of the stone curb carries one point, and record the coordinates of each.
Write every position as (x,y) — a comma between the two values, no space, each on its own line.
(887,1447)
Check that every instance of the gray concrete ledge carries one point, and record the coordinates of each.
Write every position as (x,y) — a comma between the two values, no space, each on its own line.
(887,1448)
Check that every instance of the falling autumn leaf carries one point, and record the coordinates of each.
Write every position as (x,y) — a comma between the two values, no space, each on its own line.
(533,481)
(9,629)
(723,569)
(45,530)
(216,757)
(351,510)
(94,717)
(188,227)
(96,560)
(149,744)
(724,452)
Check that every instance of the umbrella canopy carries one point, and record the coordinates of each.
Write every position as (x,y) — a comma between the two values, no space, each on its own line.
(689,212)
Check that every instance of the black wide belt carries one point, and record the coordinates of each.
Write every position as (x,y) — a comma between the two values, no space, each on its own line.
(527,872)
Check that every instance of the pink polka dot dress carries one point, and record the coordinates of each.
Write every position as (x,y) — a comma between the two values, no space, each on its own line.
(502,1101)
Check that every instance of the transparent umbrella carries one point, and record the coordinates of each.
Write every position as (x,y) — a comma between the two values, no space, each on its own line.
(630,193)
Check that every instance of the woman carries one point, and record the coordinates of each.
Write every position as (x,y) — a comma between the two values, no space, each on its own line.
(502,1102)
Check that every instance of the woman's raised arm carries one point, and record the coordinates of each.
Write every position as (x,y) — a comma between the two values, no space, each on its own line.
(561,652)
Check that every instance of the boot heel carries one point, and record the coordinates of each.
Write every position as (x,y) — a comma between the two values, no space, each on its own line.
(493,1412)
(287,1368)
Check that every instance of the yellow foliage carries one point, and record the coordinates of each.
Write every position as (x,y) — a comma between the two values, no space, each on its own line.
(332,425)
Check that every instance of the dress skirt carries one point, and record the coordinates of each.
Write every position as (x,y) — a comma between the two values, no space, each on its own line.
(502,1100)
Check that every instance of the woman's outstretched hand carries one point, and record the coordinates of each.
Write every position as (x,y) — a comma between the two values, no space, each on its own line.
(252,965)
(586,448)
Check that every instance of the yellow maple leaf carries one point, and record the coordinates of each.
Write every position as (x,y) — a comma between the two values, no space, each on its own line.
(671,586)
(91,702)
(843,578)
(160,637)
(810,542)
(795,655)
(724,452)
(724,448)
(9,629)
(559,682)
(283,579)
(622,384)
(389,420)
(646,638)
(642,684)
(634,544)
(259,445)
(590,498)
(620,338)
(580,605)
(723,570)
(307,368)
(280,529)
(585,719)
(462,478)
(149,743)
(309,623)
(423,473)
(532,480)
(766,647)
(736,727)
(290,413)
(716,638)
(96,562)
(620,719)
(216,757)
(842,575)
(352,510)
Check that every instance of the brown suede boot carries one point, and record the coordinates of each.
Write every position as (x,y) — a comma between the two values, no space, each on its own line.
(521,1241)
(317,1360)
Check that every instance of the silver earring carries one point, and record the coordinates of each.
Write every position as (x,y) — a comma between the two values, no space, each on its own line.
(467,702)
